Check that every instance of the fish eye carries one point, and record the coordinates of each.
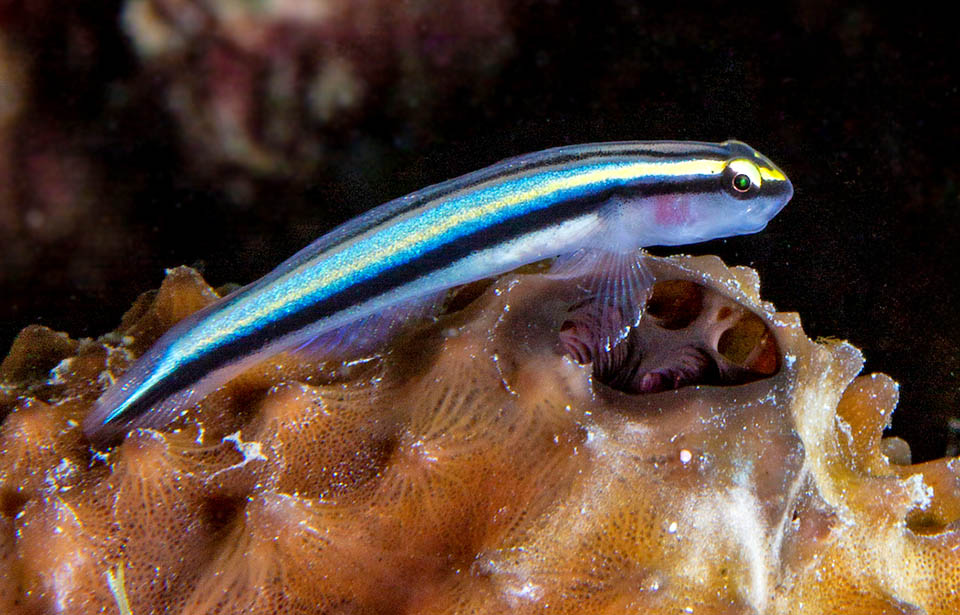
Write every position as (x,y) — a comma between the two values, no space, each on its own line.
(741,183)
(741,178)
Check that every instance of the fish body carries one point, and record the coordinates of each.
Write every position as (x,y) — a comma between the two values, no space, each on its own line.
(380,268)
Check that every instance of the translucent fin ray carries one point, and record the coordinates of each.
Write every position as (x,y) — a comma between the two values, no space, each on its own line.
(616,287)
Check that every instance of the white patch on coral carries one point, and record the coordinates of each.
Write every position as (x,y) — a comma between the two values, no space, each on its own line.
(61,475)
(737,516)
(515,585)
(745,516)
(845,428)
(58,372)
(527,591)
(250,450)
(920,493)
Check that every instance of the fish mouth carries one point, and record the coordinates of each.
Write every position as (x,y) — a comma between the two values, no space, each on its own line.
(787,191)
(782,192)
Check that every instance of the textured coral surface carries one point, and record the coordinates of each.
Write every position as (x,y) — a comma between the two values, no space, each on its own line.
(493,460)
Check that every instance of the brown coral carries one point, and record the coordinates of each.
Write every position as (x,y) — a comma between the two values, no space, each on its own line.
(475,467)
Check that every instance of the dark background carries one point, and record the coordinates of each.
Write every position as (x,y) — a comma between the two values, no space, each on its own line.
(858,105)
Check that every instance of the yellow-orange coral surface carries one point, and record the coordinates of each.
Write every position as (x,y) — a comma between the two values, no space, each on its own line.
(474,466)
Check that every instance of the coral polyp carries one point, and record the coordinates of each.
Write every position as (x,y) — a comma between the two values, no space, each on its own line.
(497,459)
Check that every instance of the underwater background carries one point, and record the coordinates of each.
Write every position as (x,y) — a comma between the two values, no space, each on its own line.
(141,135)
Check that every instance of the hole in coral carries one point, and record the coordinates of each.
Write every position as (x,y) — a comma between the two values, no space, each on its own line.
(11,502)
(925,524)
(675,303)
(220,511)
(679,368)
(685,338)
(750,344)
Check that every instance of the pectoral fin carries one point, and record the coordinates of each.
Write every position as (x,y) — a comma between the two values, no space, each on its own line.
(616,286)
